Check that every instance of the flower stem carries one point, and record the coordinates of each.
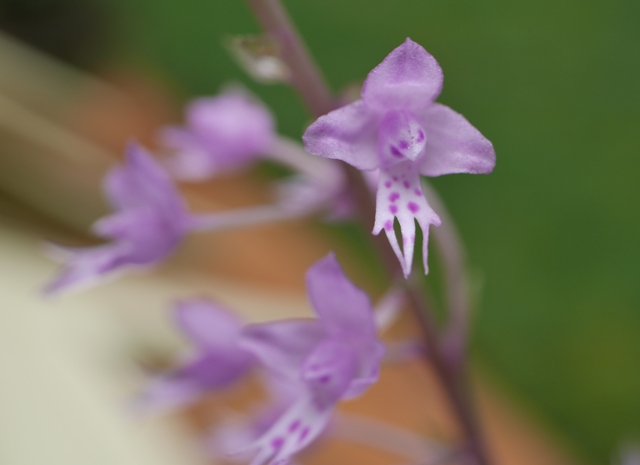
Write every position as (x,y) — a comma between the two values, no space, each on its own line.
(243,217)
(311,86)
(305,76)
(452,254)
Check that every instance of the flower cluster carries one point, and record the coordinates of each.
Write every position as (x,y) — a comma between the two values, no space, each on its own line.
(395,133)
(317,362)
(222,133)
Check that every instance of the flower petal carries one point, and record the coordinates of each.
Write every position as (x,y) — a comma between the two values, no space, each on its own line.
(370,358)
(347,134)
(400,196)
(454,145)
(342,307)
(238,434)
(282,345)
(208,324)
(233,125)
(300,425)
(191,161)
(86,266)
(408,78)
(221,134)
(150,234)
(329,370)
(202,374)
(165,394)
(141,182)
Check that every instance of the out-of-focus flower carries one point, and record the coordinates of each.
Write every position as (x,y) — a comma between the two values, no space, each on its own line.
(233,130)
(150,221)
(217,361)
(335,357)
(221,133)
(398,129)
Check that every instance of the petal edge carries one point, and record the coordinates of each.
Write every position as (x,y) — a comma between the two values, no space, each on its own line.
(454,145)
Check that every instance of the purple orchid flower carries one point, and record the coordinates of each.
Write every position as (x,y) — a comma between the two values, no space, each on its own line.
(150,221)
(217,362)
(221,133)
(233,130)
(398,129)
(336,357)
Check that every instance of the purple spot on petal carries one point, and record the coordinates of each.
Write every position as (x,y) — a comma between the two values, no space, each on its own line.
(303,434)
(407,184)
(395,178)
(294,426)
(394,196)
(277,443)
(393,209)
(325,379)
(413,207)
(417,191)
(387,184)
(395,152)
(388,225)
(403,144)
(420,136)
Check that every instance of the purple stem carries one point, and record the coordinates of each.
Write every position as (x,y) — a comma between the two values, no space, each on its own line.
(447,239)
(308,81)
(305,76)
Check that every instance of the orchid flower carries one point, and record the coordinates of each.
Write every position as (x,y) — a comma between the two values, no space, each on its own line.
(397,128)
(217,361)
(221,133)
(240,432)
(336,357)
(150,221)
(232,131)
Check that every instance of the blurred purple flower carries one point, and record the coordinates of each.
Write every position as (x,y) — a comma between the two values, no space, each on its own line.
(336,357)
(221,133)
(217,362)
(150,221)
(398,129)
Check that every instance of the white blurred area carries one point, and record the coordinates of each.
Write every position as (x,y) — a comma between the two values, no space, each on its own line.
(68,364)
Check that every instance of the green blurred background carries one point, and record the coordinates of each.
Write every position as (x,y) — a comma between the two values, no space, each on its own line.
(553,232)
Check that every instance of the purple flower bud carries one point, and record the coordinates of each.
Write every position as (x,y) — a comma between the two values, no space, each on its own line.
(150,221)
(220,134)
